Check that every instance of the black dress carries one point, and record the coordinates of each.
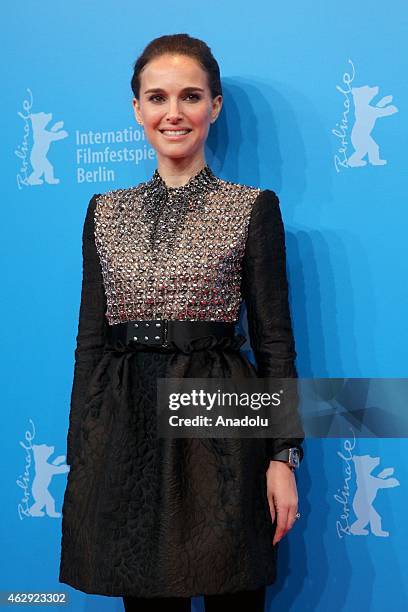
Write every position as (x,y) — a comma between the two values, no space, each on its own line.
(152,517)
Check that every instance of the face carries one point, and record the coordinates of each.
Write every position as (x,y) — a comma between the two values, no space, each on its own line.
(174,95)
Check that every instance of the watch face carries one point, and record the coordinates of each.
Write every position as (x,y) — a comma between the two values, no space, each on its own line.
(294,457)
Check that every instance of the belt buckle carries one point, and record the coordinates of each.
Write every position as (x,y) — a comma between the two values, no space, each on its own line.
(165,332)
(151,332)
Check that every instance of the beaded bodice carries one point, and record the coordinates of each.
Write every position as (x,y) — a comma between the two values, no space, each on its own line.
(174,252)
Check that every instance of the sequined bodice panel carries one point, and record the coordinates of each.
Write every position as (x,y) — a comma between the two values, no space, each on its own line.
(174,252)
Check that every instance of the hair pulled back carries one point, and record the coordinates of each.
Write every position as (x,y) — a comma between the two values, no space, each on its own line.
(179,44)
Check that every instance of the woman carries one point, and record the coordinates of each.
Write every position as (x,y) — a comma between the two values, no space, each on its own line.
(165,267)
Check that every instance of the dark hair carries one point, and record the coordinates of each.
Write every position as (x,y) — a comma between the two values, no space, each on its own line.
(179,44)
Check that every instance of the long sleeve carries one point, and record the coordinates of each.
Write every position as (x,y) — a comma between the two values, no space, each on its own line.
(92,326)
(265,290)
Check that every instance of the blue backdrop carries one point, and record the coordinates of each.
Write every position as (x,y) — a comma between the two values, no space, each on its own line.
(314,106)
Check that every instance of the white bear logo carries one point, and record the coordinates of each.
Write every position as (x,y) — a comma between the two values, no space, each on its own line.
(367,487)
(365,118)
(42,139)
(44,472)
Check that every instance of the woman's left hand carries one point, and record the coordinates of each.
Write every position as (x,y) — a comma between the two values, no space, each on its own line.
(282,497)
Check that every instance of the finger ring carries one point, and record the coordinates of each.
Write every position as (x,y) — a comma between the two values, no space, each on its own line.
(297,515)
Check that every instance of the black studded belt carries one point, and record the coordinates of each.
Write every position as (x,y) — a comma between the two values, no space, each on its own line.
(161,332)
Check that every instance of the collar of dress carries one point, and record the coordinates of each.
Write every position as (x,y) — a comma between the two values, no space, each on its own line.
(165,208)
(203,181)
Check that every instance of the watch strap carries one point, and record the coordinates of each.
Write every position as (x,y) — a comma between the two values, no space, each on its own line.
(286,456)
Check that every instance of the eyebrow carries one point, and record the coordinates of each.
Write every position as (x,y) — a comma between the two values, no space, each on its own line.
(160,90)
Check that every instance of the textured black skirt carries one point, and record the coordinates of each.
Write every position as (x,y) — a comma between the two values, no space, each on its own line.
(152,517)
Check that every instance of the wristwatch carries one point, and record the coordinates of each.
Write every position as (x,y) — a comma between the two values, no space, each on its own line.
(290,456)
